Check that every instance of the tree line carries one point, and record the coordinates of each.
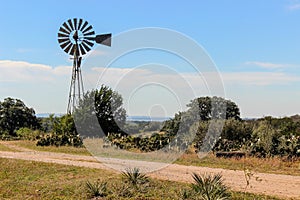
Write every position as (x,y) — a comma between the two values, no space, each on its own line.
(262,137)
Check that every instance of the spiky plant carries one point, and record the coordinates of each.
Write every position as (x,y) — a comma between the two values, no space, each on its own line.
(134,176)
(210,187)
(97,189)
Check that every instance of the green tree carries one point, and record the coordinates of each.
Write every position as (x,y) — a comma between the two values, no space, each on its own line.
(14,114)
(172,125)
(214,108)
(103,107)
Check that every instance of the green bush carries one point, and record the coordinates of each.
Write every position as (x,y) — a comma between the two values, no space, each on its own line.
(64,134)
(28,134)
(54,139)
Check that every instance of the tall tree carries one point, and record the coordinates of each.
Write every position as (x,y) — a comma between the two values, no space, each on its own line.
(14,114)
(103,106)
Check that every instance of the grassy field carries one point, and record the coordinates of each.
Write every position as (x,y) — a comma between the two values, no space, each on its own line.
(271,165)
(36,180)
(5,148)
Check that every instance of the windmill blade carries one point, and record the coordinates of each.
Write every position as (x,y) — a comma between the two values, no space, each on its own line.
(87,29)
(104,39)
(63,35)
(90,33)
(84,25)
(82,51)
(71,25)
(75,23)
(72,51)
(88,43)
(86,47)
(67,49)
(67,27)
(61,29)
(80,23)
(63,40)
(63,45)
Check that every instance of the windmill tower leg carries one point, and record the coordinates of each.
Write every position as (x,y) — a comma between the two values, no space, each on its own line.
(72,90)
(76,87)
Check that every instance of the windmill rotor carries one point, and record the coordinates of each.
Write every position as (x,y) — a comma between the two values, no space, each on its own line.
(77,32)
(72,34)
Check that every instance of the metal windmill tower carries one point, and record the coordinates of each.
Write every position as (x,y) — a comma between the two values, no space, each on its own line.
(76,37)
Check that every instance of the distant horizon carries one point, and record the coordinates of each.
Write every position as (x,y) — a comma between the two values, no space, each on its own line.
(156,118)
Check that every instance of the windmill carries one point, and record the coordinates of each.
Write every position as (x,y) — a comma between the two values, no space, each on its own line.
(76,37)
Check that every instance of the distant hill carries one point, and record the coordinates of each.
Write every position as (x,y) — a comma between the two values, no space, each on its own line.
(44,115)
(147,118)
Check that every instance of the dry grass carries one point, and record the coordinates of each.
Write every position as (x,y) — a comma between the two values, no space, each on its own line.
(95,146)
(269,165)
(62,149)
(5,148)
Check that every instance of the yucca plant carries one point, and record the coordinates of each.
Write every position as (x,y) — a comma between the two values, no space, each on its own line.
(97,189)
(134,176)
(210,187)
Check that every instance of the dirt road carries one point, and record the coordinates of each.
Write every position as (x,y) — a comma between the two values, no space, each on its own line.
(284,186)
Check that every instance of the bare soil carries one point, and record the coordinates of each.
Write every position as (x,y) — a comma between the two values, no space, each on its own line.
(283,186)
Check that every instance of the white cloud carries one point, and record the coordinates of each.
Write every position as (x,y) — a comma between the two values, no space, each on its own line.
(165,84)
(267,65)
(133,76)
(25,71)
(62,70)
(20,71)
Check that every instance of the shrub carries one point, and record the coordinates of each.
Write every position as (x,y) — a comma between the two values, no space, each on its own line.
(97,189)
(210,187)
(64,134)
(134,177)
(28,134)
(54,139)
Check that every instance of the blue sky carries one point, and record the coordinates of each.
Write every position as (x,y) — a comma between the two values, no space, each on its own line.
(255,45)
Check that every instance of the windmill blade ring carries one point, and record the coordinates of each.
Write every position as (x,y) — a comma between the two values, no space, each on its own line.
(76,37)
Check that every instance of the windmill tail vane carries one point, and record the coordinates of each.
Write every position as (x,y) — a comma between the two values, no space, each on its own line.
(76,37)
